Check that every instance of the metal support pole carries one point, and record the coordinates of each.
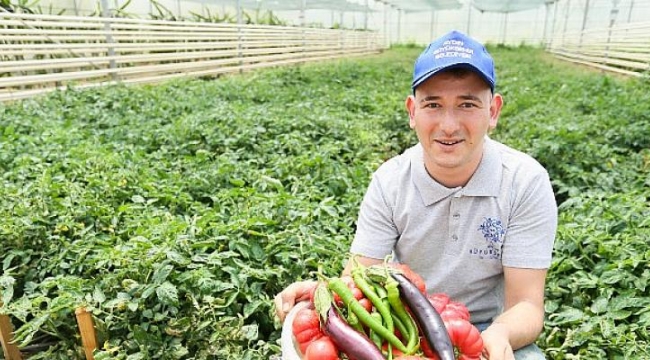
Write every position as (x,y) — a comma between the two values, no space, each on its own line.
(240,36)
(387,32)
(547,7)
(106,14)
(365,17)
(612,19)
(504,35)
(629,14)
(552,37)
(399,25)
(584,21)
(469,17)
(566,20)
(433,16)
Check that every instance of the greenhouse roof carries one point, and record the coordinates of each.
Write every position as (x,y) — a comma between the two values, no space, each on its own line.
(339,5)
(508,5)
(421,5)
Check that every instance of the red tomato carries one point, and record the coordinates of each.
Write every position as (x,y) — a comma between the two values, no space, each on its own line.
(426,349)
(411,357)
(465,337)
(414,277)
(306,327)
(455,310)
(322,349)
(367,304)
(439,301)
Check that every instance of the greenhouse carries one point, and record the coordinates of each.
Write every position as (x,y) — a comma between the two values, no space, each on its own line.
(174,172)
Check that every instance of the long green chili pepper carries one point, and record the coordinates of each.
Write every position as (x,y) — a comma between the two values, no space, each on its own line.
(354,322)
(338,286)
(376,338)
(399,310)
(400,326)
(369,291)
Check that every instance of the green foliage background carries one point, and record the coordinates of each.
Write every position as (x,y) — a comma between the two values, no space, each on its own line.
(176,212)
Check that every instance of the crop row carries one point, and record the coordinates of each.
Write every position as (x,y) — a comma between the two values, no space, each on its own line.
(175,212)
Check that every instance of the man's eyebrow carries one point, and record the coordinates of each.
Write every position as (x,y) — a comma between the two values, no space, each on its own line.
(430,98)
(471,97)
(463,97)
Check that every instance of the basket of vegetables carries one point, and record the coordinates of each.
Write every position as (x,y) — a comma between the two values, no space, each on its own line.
(379,312)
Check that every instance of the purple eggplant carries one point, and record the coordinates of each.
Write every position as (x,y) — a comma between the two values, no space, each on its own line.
(351,342)
(428,319)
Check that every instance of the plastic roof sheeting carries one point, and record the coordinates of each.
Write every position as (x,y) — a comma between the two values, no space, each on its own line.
(508,5)
(421,5)
(338,5)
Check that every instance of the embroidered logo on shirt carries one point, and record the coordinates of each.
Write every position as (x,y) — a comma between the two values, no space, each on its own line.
(493,233)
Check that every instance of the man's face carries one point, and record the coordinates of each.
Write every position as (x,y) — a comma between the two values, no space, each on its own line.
(451,113)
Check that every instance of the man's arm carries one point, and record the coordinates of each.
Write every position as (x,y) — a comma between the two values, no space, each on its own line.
(523,318)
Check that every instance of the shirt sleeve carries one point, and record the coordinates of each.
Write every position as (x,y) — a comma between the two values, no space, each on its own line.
(533,224)
(376,232)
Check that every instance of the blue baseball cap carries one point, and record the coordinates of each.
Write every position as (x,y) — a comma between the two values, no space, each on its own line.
(452,50)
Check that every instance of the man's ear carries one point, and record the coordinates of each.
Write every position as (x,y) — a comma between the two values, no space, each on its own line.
(495,110)
(410,107)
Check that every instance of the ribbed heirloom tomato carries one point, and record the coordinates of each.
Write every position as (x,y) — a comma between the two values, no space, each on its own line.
(306,328)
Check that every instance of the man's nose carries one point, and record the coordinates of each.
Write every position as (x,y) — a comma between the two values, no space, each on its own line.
(448,122)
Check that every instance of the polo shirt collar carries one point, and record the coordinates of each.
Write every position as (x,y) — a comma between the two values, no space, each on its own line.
(485,181)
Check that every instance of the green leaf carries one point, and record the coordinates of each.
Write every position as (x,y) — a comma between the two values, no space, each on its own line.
(7,289)
(566,316)
(167,293)
(162,273)
(138,199)
(322,300)
(599,306)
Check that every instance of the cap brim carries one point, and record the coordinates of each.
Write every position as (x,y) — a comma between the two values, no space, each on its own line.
(433,72)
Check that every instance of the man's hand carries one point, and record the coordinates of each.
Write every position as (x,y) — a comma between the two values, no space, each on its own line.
(298,291)
(496,344)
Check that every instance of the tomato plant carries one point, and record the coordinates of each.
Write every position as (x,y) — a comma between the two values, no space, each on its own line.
(177,212)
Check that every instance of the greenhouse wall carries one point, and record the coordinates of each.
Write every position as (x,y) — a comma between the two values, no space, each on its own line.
(532,26)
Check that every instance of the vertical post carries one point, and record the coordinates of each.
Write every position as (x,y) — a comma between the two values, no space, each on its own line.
(386,28)
(469,16)
(629,14)
(342,33)
(505,28)
(10,349)
(433,16)
(87,331)
(399,25)
(303,23)
(106,14)
(365,17)
(240,20)
(566,20)
(365,27)
(612,19)
(547,10)
(584,21)
(552,34)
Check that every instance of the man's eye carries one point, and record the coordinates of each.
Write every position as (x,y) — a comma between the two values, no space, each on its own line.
(431,105)
(467,105)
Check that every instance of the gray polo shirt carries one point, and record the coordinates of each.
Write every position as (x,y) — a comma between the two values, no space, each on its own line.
(459,239)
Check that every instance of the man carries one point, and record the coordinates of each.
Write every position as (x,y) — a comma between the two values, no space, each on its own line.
(475,218)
